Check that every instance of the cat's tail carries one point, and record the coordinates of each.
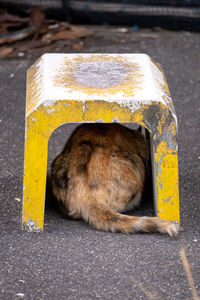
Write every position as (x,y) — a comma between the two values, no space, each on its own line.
(102,217)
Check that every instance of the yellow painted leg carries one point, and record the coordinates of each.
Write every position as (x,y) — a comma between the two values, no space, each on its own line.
(161,125)
(39,126)
(166,173)
(35,169)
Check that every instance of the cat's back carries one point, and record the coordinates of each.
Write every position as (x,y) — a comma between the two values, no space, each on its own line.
(111,136)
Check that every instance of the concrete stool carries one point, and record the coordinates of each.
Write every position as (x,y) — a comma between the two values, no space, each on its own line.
(125,88)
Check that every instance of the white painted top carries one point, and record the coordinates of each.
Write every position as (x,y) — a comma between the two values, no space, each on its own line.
(108,77)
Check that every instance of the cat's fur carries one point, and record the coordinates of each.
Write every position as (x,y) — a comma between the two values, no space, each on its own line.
(100,173)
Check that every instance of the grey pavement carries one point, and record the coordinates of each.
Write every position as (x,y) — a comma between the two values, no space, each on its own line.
(70,260)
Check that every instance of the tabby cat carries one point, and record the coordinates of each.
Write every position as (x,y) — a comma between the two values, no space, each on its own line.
(100,173)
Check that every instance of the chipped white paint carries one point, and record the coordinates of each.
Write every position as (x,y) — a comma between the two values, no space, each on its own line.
(30,226)
(83,108)
(97,121)
(115,120)
(98,75)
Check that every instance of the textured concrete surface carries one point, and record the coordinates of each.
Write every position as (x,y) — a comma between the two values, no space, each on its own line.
(70,260)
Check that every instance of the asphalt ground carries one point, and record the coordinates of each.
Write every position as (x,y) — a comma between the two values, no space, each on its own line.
(70,260)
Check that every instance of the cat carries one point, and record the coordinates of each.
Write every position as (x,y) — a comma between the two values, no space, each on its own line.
(100,173)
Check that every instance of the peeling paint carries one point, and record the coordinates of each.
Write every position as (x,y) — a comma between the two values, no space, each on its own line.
(58,75)
(34,85)
(66,104)
(166,161)
(83,109)
(48,103)
(59,93)
(30,226)
(50,110)
(158,163)
(115,120)
(99,121)
(141,79)
(132,105)
(160,185)
(167,199)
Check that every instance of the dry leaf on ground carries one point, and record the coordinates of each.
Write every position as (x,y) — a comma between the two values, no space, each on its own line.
(4,51)
(74,33)
(35,31)
(16,35)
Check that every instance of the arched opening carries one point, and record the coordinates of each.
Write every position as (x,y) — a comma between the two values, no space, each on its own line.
(56,144)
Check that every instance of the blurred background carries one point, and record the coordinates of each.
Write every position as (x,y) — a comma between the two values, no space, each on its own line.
(53,25)
(145,13)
